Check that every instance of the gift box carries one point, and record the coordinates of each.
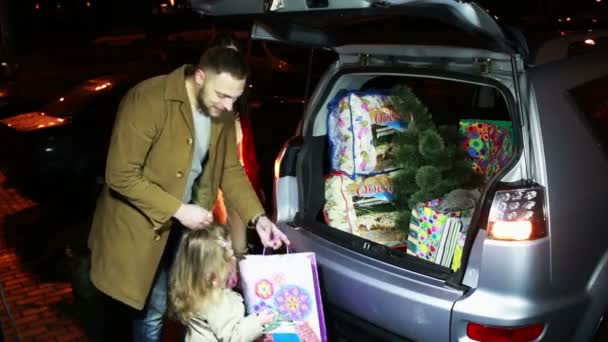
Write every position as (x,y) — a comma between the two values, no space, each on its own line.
(488,143)
(360,129)
(459,247)
(434,235)
(363,206)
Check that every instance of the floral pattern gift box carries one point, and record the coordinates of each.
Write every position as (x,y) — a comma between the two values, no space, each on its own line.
(488,143)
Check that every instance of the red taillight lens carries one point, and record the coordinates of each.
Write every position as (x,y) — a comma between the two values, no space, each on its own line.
(486,333)
(518,214)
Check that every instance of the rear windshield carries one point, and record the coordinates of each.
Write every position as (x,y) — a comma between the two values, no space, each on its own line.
(592,100)
(395,179)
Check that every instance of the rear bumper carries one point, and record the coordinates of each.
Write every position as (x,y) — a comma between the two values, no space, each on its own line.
(393,304)
(561,316)
(403,303)
(342,326)
(513,285)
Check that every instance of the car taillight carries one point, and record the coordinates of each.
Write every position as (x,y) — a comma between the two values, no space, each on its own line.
(486,333)
(518,214)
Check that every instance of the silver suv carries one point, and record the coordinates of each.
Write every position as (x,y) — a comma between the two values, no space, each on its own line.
(542,275)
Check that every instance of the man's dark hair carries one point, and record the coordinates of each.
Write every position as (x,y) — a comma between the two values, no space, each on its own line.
(220,59)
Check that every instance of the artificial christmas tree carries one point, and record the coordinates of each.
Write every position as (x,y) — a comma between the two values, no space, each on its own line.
(430,158)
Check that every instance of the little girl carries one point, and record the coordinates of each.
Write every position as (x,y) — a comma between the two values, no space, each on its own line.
(199,295)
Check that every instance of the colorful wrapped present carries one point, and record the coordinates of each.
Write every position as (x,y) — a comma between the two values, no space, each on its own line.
(449,239)
(489,144)
(363,206)
(459,247)
(360,129)
(433,234)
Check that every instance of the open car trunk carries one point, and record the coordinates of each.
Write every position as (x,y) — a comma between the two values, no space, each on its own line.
(372,267)
(403,280)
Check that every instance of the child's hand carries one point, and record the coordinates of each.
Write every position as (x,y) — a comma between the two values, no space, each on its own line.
(265,317)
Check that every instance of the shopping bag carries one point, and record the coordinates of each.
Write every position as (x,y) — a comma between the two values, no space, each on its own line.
(288,284)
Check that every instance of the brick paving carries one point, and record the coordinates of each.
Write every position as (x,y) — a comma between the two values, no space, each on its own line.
(38,242)
(37,302)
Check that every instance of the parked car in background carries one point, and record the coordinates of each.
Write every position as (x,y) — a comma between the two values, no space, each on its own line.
(570,43)
(535,259)
(13,104)
(63,144)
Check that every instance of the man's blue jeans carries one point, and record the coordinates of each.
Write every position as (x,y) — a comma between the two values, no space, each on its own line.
(148,323)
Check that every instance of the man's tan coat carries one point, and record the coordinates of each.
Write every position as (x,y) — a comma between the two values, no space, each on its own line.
(150,155)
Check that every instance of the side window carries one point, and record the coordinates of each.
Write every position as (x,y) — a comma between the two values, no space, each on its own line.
(592,100)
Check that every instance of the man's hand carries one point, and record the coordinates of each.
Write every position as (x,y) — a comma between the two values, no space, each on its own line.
(270,235)
(193,216)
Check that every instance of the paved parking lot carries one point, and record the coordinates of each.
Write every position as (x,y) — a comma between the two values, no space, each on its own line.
(38,295)
(40,245)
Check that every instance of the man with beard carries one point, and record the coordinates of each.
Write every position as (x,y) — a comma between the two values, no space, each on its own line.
(172,148)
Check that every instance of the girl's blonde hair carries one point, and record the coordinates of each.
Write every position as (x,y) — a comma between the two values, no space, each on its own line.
(201,268)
